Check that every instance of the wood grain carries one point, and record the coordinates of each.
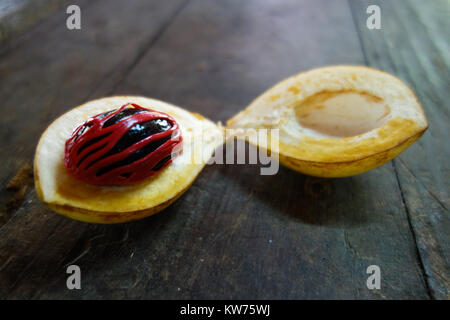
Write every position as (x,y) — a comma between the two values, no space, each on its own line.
(234,234)
(17,16)
(413,44)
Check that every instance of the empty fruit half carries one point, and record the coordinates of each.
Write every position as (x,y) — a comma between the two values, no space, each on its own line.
(336,121)
(123,158)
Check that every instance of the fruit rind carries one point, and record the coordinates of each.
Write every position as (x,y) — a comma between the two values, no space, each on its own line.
(349,168)
(323,156)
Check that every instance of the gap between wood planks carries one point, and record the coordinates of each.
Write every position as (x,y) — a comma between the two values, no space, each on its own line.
(145,48)
(408,217)
(161,30)
(405,206)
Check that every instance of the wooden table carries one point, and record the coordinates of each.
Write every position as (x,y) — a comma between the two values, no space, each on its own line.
(234,233)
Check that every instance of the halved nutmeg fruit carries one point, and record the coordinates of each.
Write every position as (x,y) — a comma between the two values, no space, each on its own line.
(118,159)
(336,121)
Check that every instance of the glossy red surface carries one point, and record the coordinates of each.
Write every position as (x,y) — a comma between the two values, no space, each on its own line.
(98,151)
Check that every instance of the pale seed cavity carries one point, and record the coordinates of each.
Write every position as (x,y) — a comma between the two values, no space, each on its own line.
(342,114)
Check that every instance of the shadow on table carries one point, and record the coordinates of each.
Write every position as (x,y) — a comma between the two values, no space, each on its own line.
(338,202)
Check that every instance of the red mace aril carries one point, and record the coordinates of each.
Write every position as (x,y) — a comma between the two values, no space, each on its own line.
(122,146)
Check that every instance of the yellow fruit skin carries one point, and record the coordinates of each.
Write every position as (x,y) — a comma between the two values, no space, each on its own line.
(102,217)
(108,218)
(347,168)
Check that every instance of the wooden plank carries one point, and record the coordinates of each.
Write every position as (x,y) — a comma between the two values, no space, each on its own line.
(47,71)
(413,44)
(324,241)
(234,234)
(17,16)
(271,237)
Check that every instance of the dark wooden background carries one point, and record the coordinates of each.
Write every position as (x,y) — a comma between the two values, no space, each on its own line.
(234,234)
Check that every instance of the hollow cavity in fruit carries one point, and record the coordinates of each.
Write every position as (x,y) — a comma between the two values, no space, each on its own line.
(342,114)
